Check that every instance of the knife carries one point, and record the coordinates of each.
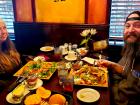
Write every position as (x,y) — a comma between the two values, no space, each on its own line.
(16,83)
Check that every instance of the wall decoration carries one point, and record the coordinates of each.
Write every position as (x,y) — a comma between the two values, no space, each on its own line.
(60,11)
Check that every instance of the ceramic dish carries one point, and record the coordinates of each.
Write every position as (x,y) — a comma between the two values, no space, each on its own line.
(88,95)
(44,70)
(88,75)
(68,97)
(12,101)
(39,58)
(47,48)
(38,84)
(89,60)
(82,51)
(70,59)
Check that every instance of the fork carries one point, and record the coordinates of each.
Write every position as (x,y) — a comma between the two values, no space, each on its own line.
(43,102)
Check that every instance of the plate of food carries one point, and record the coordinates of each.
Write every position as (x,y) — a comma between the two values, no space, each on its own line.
(16,96)
(90,76)
(44,96)
(43,70)
(47,48)
(31,85)
(70,59)
(88,95)
(39,58)
(82,51)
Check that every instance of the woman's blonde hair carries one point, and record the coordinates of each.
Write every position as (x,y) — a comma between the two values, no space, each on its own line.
(9,57)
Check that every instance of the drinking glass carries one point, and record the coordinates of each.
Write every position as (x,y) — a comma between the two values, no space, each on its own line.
(57,54)
(68,83)
(31,80)
(62,72)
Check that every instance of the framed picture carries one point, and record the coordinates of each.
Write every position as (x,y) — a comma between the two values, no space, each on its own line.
(60,11)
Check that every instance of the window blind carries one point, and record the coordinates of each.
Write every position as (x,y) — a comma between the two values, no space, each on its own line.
(6,13)
(119,11)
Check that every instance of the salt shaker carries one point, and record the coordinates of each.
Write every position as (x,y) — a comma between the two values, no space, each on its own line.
(70,47)
(74,47)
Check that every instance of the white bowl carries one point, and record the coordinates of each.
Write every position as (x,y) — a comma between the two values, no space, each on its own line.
(82,51)
(88,95)
(47,48)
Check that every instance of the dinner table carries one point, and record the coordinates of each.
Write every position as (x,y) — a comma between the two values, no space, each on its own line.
(53,85)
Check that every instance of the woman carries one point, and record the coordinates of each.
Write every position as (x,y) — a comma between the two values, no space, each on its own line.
(126,87)
(9,57)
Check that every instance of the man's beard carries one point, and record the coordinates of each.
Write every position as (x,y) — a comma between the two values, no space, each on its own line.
(132,37)
(131,52)
(132,49)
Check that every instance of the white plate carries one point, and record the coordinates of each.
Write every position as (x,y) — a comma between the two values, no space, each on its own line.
(82,51)
(88,95)
(38,84)
(47,48)
(70,59)
(10,99)
(64,53)
(41,58)
(89,60)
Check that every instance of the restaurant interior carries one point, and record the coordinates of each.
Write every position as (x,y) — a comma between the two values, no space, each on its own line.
(54,23)
(33,22)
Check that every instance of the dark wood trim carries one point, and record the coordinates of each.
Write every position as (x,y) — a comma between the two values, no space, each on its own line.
(108,12)
(33,10)
(14,9)
(86,11)
(70,25)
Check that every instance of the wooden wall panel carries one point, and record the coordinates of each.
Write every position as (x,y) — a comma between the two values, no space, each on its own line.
(23,10)
(66,11)
(30,36)
(97,11)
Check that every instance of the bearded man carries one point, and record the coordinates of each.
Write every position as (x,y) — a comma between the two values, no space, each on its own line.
(126,86)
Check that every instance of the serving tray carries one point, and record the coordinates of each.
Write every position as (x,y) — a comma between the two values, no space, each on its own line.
(69,99)
(43,70)
(89,75)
